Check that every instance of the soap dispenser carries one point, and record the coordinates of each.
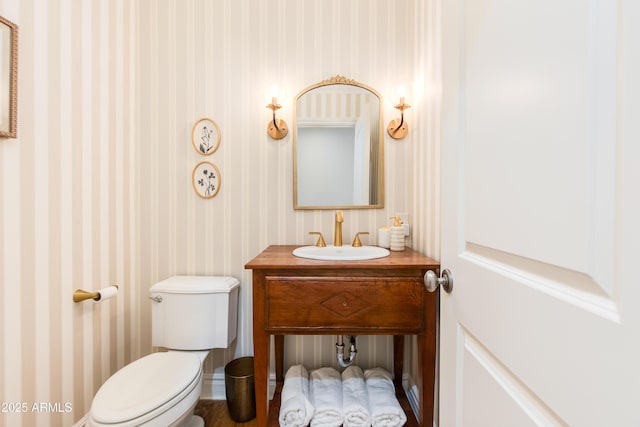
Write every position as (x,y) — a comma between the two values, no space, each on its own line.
(397,234)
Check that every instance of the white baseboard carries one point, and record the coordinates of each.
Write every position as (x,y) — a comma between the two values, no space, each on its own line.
(414,397)
(213,387)
(412,394)
(82,422)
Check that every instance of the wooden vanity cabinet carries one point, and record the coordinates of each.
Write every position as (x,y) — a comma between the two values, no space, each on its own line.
(384,296)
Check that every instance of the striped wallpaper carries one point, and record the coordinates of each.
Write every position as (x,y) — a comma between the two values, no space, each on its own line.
(68,209)
(97,188)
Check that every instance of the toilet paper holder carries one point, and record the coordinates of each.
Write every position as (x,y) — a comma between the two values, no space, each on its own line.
(82,295)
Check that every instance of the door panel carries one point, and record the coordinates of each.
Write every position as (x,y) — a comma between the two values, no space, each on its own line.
(513,404)
(539,327)
(530,84)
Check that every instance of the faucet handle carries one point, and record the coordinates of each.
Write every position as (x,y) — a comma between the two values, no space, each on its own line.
(356,241)
(320,243)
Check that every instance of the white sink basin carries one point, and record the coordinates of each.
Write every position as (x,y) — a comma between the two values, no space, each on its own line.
(341,253)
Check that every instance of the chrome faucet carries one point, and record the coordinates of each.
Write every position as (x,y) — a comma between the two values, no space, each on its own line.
(337,229)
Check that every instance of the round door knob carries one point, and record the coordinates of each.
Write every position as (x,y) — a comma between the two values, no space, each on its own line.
(431,281)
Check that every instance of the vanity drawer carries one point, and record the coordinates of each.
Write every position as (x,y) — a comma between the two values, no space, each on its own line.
(364,304)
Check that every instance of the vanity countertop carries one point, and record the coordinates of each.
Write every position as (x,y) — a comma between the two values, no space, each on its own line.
(279,256)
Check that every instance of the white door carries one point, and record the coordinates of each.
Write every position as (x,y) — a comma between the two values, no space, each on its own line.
(541,213)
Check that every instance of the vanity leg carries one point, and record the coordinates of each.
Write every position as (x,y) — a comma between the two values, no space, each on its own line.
(260,353)
(427,359)
(279,354)
(398,359)
(261,375)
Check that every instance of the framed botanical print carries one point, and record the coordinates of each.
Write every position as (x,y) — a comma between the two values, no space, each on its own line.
(205,136)
(8,78)
(206,180)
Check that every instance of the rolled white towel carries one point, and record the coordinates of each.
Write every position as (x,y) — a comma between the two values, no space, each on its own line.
(355,399)
(326,397)
(385,408)
(296,409)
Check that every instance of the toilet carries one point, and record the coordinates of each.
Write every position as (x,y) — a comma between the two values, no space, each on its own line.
(190,315)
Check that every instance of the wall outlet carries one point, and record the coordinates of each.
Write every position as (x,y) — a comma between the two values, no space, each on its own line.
(404,217)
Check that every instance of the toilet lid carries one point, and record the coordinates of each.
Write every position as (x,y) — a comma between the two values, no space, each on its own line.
(196,285)
(145,385)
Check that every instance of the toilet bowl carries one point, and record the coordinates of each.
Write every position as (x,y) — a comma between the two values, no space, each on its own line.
(162,389)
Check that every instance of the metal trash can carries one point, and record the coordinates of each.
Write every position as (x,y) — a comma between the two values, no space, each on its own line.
(239,384)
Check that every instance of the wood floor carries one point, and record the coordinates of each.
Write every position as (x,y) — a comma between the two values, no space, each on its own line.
(216,414)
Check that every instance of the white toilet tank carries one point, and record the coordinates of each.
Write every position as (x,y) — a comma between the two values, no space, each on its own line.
(194,312)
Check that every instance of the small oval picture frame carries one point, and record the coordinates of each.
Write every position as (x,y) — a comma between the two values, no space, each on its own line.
(205,136)
(206,180)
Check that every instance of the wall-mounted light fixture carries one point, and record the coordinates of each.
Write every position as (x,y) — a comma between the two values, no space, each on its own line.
(398,128)
(277,128)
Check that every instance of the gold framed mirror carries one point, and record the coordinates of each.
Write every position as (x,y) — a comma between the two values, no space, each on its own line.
(338,146)
(8,78)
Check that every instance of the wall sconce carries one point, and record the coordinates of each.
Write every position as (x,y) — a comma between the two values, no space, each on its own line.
(277,128)
(398,128)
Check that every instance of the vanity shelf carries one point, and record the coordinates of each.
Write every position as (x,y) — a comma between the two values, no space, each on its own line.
(384,296)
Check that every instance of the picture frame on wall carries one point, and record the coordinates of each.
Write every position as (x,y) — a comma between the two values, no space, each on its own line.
(206,180)
(205,136)
(8,78)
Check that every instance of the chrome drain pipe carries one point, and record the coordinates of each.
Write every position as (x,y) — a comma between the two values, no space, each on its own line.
(340,351)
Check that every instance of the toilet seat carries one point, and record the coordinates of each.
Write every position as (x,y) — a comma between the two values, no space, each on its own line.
(147,388)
